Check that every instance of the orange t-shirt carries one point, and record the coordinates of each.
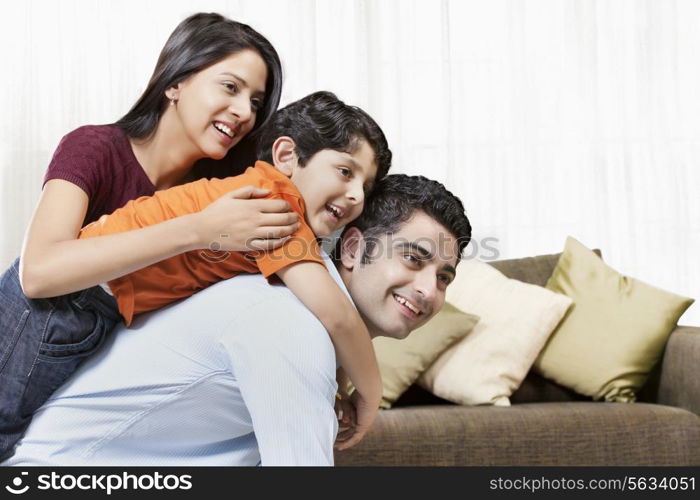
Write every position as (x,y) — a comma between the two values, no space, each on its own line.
(183,275)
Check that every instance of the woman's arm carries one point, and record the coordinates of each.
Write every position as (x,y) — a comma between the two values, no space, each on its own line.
(315,287)
(54,262)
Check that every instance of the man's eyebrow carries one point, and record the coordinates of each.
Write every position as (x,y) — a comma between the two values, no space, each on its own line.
(242,80)
(424,253)
(450,269)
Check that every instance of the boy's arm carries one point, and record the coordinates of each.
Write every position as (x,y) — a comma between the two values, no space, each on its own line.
(317,290)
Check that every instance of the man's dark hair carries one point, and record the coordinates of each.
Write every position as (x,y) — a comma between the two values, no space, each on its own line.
(322,121)
(396,198)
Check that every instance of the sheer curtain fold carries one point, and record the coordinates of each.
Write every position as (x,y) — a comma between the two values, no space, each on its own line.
(547,117)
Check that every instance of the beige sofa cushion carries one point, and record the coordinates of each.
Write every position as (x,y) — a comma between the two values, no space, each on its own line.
(491,362)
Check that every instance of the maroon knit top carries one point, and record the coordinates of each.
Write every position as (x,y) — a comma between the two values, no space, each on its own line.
(99,160)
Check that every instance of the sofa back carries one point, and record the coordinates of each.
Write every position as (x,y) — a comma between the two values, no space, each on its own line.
(535,270)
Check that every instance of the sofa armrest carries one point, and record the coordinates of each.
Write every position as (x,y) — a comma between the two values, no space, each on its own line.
(679,384)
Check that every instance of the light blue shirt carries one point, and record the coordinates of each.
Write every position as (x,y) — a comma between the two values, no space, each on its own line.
(187,385)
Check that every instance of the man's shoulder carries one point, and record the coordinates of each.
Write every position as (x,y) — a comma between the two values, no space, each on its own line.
(252,292)
(233,307)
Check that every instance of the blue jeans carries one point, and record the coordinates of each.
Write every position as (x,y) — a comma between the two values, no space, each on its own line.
(42,342)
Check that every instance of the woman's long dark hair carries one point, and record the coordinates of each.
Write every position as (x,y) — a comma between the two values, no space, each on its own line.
(200,41)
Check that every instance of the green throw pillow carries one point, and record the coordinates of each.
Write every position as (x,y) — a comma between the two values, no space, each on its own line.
(615,331)
(401,362)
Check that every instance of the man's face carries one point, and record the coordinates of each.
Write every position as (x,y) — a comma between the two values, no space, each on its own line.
(404,284)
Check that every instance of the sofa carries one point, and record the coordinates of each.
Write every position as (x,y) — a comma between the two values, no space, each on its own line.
(547,424)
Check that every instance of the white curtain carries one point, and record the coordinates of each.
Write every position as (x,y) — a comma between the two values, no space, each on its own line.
(547,117)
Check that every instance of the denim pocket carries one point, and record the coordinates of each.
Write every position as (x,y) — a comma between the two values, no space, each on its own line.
(76,329)
(54,352)
(58,360)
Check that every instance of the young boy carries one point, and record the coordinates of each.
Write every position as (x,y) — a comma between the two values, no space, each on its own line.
(318,154)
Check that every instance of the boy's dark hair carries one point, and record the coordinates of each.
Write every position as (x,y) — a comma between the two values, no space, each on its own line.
(322,121)
(395,199)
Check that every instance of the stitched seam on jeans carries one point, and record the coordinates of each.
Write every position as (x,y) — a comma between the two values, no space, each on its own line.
(124,426)
(81,300)
(16,335)
(43,339)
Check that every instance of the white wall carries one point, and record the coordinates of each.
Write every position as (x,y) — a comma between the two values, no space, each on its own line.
(548,117)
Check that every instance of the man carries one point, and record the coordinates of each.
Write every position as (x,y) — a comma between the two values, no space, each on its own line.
(241,373)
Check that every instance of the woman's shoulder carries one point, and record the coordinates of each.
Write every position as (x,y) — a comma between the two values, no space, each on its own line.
(91,147)
(87,138)
(99,160)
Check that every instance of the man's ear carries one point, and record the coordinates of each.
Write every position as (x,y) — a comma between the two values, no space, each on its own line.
(351,248)
(284,155)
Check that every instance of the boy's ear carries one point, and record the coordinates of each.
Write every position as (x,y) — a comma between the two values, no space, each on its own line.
(351,248)
(284,155)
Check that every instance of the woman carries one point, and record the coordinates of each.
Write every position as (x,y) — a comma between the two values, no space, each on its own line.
(216,82)
(97,169)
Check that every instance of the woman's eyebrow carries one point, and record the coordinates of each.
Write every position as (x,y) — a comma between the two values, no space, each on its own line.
(242,81)
(239,78)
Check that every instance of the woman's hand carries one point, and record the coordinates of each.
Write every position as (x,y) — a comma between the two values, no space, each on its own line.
(239,222)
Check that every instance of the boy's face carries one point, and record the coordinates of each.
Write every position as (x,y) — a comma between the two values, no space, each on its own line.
(333,185)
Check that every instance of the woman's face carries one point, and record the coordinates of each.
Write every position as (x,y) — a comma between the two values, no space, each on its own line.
(217,106)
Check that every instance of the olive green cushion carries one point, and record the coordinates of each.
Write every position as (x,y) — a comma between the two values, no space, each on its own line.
(613,334)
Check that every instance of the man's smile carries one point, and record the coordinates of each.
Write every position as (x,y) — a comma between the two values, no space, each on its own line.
(407,306)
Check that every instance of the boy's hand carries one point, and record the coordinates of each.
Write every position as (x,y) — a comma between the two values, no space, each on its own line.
(359,422)
(347,418)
